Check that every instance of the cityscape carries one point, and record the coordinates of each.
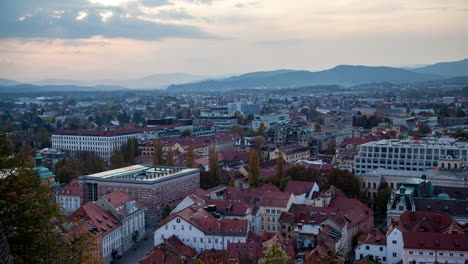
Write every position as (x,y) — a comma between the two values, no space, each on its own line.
(252,137)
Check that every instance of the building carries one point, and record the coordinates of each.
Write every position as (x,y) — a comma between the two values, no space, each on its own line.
(152,186)
(421,195)
(244,107)
(101,143)
(69,197)
(408,154)
(416,237)
(129,212)
(268,120)
(200,230)
(105,226)
(271,207)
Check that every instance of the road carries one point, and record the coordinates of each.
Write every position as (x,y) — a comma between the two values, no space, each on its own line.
(132,256)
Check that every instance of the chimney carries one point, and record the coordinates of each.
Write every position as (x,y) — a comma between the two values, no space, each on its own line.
(219,223)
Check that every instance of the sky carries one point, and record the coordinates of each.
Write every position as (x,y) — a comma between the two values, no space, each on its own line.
(126,39)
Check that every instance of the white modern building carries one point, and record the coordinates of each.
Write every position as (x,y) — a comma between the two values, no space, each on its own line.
(101,143)
(411,155)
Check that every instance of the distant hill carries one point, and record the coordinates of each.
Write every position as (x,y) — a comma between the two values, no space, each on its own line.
(155,81)
(28,88)
(6,82)
(345,75)
(448,69)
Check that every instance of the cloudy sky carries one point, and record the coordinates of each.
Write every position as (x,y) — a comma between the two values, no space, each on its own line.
(123,39)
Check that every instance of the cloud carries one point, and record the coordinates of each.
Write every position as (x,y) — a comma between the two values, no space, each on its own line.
(80,19)
(175,14)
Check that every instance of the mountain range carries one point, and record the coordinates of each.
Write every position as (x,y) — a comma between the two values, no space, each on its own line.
(343,75)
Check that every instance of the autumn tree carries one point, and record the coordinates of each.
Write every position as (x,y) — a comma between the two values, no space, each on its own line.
(190,157)
(214,169)
(117,159)
(274,255)
(28,213)
(254,169)
(170,157)
(157,153)
(236,129)
(66,170)
(261,129)
(91,163)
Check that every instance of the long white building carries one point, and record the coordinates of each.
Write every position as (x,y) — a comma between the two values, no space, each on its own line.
(101,143)
(412,155)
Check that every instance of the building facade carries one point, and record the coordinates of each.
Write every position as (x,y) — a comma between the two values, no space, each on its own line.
(152,186)
(409,155)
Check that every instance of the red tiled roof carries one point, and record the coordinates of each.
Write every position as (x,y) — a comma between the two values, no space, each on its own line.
(118,199)
(428,222)
(103,220)
(225,226)
(275,199)
(299,187)
(435,241)
(71,189)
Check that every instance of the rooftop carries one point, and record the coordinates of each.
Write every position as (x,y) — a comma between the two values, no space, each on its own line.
(140,173)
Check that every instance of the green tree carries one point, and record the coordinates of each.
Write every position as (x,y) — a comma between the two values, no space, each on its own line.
(157,153)
(274,255)
(254,169)
(187,132)
(43,138)
(170,158)
(66,170)
(166,211)
(215,171)
(350,184)
(190,156)
(424,129)
(383,196)
(91,163)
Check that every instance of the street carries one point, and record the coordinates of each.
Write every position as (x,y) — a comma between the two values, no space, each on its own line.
(132,256)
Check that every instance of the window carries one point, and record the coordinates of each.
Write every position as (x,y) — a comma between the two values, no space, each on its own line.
(394,254)
(401,208)
(267,211)
(462,255)
(431,253)
(381,248)
(367,247)
(173,227)
(451,254)
(441,254)
(421,253)
(384,258)
(411,252)
(394,241)
(194,239)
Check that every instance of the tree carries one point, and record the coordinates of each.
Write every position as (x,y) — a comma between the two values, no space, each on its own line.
(424,129)
(280,166)
(350,184)
(166,211)
(383,196)
(43,138)
(157,153)
(254,169)
(261,129)
(215,172)
(91,163)
(28,212)
(66,170)
(117,159)
(190,156)
(170,157)
(236,129)
(187,132)
(274,255)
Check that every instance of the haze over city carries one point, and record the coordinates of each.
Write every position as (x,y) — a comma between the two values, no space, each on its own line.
(125,39)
